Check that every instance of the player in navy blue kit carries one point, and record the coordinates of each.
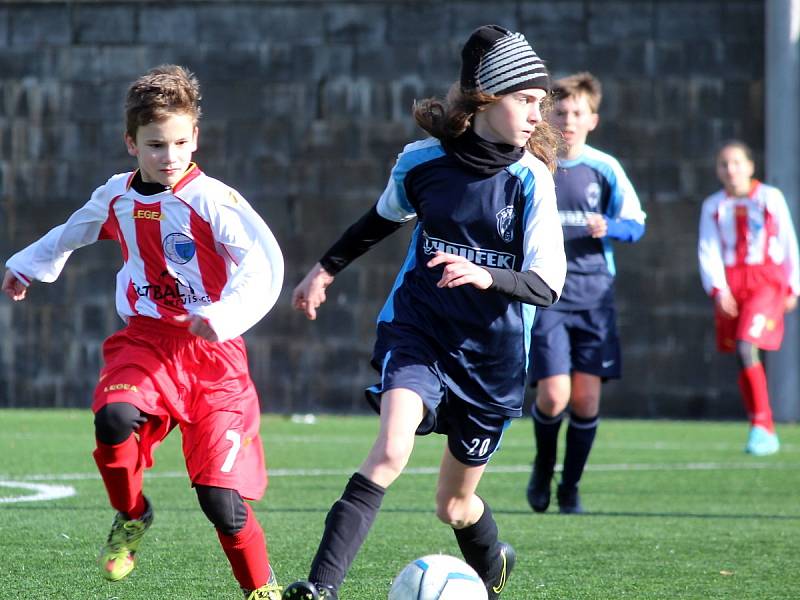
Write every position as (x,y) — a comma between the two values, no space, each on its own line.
(575,345)
(452,338)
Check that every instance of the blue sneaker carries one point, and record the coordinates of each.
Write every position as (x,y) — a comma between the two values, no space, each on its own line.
(761,442)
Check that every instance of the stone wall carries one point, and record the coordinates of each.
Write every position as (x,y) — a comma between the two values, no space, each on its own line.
(306,104)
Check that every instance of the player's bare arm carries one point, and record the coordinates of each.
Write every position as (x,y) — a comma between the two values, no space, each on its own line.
(459,271)
(309,294)
(791,303)
(13,287)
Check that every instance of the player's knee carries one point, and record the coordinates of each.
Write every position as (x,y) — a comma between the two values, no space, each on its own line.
(396,453)
(451,511)
(115,422)
(747,354)
(550,406)
(585,406)
(224,507)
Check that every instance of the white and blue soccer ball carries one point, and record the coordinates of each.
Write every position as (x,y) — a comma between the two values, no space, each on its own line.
(437,577)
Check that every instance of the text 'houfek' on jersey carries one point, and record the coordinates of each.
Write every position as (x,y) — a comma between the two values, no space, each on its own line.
(594,183)
(197,248)
(746,231)
(507,220)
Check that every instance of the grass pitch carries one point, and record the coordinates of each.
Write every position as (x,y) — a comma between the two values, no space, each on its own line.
(676,510)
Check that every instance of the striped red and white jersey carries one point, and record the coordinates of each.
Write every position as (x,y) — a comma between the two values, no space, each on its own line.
(752,230)
(198,248)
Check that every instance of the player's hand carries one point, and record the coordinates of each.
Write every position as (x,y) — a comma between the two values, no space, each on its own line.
(596,225)
(459,271)
(309,294)
(13,287)
(791,303)
(727,304)
(199,326)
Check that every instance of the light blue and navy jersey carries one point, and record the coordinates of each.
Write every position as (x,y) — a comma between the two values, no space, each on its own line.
(594,183)
(508,220)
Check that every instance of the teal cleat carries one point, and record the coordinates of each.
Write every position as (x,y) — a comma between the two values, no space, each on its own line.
(761,442)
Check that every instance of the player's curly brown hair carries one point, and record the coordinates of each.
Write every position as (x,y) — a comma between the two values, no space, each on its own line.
(162,91)
(449,118)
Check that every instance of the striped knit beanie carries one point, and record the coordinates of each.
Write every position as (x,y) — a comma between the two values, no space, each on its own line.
(498,61)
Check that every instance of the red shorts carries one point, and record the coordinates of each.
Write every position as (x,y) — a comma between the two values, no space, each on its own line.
(205,388)
(760,291)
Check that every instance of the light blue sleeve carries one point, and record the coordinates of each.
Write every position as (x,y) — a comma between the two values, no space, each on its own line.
(625,217)
(393,203)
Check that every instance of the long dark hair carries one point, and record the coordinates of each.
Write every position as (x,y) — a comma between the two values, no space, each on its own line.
(449,118)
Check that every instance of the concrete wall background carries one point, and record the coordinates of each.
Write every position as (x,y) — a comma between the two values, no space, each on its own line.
(306,104)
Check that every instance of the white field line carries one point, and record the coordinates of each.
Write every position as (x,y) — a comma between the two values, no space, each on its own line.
(622,467)
(41,491)
(45,491)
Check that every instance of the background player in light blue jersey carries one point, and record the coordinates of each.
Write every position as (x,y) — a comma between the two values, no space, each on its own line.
(575,346)
(452,339)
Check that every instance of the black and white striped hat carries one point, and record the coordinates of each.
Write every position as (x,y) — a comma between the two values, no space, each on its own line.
(498,61)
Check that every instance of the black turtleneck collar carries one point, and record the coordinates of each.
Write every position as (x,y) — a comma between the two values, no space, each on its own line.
(476,154)
(147,188)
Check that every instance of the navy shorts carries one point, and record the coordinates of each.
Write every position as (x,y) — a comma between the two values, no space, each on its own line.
(578,340)
(472,435)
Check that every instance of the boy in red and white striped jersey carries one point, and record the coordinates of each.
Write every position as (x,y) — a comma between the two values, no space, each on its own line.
(200,267)
(749,265)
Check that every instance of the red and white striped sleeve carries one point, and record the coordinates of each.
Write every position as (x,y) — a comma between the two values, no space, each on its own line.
(709,248)
(44,259)
(257,277)
(787,239)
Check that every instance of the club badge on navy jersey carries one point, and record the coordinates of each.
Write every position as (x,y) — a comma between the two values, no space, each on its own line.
(506,219)
(593,194)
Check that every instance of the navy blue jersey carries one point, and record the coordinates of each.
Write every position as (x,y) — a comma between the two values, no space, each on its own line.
(593,183)
(508,220)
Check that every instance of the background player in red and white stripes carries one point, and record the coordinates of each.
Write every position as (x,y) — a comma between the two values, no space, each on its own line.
(200,267)
(749,266)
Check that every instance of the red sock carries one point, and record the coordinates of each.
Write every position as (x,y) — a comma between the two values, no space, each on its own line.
(247,553)
(754,380)
(121,469)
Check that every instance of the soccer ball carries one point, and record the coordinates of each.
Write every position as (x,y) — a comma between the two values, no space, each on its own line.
(437,577)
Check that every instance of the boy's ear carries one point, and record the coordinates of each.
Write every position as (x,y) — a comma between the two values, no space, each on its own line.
(595,121)
(195,138)
(130,144)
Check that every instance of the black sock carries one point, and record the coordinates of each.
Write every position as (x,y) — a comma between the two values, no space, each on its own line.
(346,526)
(545,431)
(478,542)
(580,437)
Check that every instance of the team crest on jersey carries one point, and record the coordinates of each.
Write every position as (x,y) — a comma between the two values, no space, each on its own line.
(506,219)
(179,248)
(593,194)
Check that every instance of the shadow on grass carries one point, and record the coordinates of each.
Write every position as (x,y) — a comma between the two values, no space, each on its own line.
(273,508)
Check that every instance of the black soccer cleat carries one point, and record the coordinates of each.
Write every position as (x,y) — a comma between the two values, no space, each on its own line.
(538,491)
(498,575)
(305,590)
(569,500)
